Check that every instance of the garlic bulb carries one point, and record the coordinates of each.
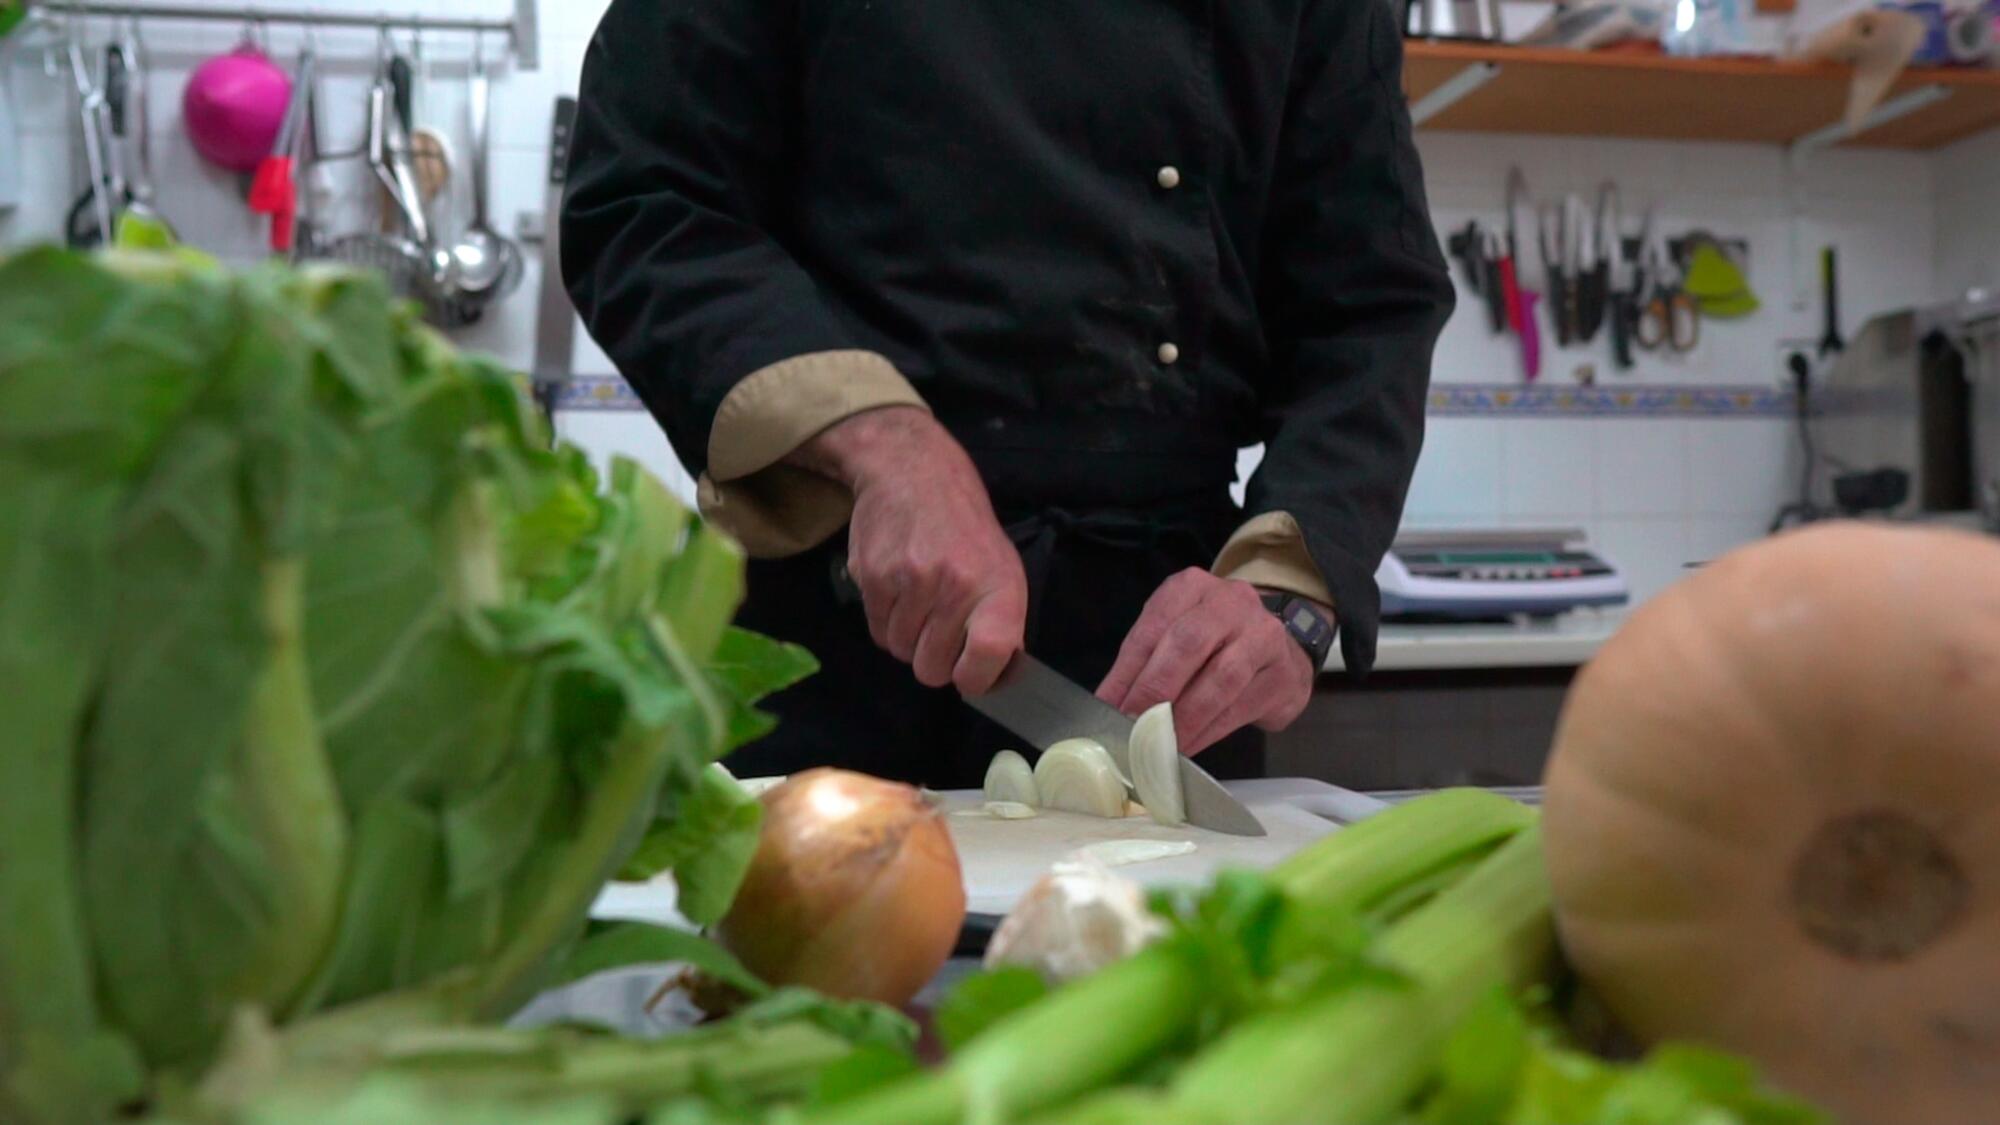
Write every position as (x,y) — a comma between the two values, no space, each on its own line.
(1009,778)
(1075,920)
(1156,765)
(1077,775)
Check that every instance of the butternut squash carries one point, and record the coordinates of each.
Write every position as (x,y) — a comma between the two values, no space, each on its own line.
(1773,818)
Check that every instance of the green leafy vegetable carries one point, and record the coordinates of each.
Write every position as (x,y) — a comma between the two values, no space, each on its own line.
(629,943)
(869,1068)
(706,836)
(983,999)
(1507,1063)
(1146,1012)
(334,693)
(856,1021)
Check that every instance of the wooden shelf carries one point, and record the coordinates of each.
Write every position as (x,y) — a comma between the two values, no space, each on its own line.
(1660,97)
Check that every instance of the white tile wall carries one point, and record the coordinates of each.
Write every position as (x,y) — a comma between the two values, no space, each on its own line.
(1742,467)
(1459,477)
(1650,551)
(1640,466)
(1546,472)
(1654,492)
(1709,537)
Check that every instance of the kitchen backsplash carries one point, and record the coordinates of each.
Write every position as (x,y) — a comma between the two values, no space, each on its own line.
(1658,479)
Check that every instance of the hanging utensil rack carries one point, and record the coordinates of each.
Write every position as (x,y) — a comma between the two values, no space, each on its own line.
(521,29)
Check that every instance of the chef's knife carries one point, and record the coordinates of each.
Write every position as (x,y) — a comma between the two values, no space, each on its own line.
(1043,706)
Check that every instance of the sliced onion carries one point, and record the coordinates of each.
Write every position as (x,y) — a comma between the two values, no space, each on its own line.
(1010,778)
(855,890)
(1156,765)
(1077,775)
(1124,853)
(999,810)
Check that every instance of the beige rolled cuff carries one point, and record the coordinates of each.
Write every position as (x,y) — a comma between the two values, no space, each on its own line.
(775,509)
(1270,551)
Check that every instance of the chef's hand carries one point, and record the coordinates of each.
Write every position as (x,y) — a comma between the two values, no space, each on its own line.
(942,584)
(1208,646)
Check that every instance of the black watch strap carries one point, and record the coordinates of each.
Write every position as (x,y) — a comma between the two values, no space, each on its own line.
(1306,622)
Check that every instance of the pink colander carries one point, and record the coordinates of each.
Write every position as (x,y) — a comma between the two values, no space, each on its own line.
(234,106)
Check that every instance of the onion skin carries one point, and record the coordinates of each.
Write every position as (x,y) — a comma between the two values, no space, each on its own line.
(855,890)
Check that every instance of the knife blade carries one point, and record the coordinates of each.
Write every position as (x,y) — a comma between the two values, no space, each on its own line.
(1043,706)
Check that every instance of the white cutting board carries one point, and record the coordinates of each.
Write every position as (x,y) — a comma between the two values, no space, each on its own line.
(1001,859)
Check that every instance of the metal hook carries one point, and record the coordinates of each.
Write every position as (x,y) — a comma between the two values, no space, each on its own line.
(256,30)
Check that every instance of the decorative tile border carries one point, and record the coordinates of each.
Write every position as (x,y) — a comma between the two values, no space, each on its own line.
(1467,400)
(598,392)
(1447,400)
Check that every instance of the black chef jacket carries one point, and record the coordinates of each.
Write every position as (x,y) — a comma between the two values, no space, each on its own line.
(1111,229)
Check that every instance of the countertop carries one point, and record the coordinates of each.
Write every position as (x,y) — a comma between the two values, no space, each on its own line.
(1560,642)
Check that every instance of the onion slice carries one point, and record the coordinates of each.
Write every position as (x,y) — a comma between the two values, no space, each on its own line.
(1077,775)
(1124,853)
(999,810)
(1010,778)
(1156,765)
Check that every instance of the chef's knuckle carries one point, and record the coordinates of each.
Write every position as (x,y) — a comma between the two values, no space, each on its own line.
(988,643)
(1271,633)
(1151,688)
(1185,639)
(930,672)
(1234,671)
(958,573)
(1184,586)
(891,574)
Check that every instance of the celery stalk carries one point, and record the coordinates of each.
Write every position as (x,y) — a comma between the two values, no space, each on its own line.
(1363,863)
(283,766)
(1077,1040)
(1086,1035)
(1360,1055)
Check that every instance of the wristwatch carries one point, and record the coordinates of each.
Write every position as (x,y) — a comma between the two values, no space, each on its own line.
(1306,622)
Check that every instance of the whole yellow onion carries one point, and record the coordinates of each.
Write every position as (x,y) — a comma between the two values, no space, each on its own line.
(855,890)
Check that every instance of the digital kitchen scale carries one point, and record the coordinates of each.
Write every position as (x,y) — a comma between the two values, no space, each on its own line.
(1474,575)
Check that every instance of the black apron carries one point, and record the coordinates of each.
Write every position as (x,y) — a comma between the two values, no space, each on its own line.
(1098,532)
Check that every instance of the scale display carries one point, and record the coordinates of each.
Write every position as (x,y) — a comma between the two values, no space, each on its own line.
(1477,575)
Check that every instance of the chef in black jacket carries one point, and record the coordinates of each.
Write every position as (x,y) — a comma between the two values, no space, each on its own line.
(979,298)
